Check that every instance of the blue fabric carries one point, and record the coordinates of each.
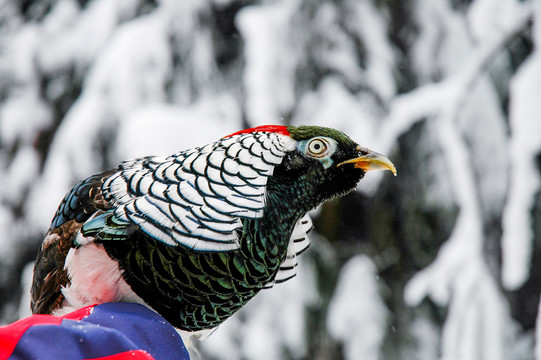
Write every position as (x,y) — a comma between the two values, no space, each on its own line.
(109,330)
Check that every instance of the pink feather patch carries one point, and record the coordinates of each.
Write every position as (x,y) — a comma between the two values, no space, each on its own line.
(280,129)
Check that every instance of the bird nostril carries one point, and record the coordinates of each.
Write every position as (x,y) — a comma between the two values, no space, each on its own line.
(362,151)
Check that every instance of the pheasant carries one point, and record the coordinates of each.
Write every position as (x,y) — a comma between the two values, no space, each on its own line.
(197,234)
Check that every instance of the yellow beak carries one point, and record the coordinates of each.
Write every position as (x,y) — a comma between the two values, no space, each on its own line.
(371,161)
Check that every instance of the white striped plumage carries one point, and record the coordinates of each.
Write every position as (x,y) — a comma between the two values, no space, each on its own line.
(297,244)
(197,197)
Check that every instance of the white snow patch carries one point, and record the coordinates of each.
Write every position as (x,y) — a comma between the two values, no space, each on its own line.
(357,316)
(133,67)
(440,45)
(167,129)
(485,17)
(270,60)
(22,117)
(334,49)
(6,232)
(18,63)
(525,145)
(20,175)
(478,323)
(70,36)
(26,283)
(332,105)
(427,339)
(483,125)
(370,26)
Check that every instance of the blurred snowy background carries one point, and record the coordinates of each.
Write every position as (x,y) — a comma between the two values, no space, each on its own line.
(441,262)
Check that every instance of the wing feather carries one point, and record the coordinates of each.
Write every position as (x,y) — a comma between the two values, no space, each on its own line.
(79,205)
(298,243)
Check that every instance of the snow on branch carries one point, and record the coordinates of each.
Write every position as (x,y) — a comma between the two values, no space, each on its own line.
(525,121)
(448,95)
(442,103)
(459,277)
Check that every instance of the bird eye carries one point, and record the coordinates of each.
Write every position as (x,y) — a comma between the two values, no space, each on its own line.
(317,147)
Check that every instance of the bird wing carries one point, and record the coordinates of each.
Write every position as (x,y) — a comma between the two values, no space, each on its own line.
(84,200)
(194,198)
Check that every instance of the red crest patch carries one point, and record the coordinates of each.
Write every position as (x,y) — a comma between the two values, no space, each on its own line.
(280,129)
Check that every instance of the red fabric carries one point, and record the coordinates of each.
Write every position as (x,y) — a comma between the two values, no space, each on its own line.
(263,128)
(11,334)
(80,313)
(131,355)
